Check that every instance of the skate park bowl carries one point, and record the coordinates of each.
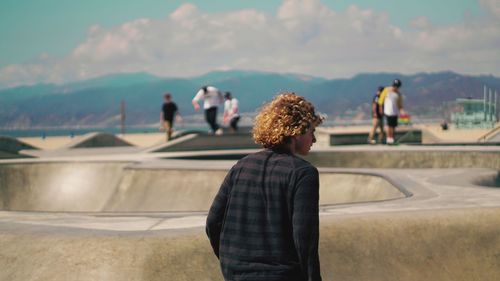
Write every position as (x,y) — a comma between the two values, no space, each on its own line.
(397,213)
(121,187)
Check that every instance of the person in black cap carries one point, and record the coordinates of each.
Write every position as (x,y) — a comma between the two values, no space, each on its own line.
(391,104)
(377,119)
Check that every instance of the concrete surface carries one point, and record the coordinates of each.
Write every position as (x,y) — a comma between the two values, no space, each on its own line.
(442,245)
(441,222)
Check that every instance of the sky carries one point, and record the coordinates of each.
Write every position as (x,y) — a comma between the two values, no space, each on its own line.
(58,41)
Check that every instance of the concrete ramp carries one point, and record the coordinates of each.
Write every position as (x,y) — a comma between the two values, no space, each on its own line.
(202,142)
(11,147)
(94,140)
(118,187)
(402,135)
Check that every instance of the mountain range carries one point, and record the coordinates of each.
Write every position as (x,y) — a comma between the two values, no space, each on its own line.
(96,102)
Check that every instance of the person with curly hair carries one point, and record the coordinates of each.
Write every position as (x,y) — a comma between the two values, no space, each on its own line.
(264,221)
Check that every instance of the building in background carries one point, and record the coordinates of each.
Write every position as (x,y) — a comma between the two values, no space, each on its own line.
(477,113)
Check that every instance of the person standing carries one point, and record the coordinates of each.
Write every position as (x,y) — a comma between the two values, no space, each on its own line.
(212,98)
(167,115)
(231,115)
(377,119)
(264,221)
(391,104)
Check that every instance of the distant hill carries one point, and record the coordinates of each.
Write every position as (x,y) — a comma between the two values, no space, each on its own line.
(96,102)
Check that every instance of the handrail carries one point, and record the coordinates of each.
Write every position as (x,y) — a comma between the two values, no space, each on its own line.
(488,134)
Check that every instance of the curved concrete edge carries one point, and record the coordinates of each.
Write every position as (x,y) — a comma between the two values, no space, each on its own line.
(444,245)
(130,187)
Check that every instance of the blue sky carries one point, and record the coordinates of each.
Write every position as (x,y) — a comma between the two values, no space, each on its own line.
(40,38)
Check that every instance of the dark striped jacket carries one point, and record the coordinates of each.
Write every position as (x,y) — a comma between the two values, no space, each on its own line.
(263,224)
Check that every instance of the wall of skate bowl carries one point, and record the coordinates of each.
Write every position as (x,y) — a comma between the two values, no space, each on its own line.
(119,187)
(492,180)
(382,159)
(445,245)
(406,159)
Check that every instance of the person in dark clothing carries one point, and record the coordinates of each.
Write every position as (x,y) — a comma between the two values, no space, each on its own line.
(264,221)
(167,115)
(231,112)
(377,119)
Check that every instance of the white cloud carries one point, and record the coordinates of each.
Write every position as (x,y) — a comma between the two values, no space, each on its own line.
(304,36)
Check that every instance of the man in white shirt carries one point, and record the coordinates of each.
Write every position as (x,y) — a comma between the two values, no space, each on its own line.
(392,105)
(231,115)
(211,97)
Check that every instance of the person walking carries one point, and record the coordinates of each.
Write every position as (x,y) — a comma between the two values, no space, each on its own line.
(168,114)
(212,98)
(264,221)
(231,115)
(391,104)
(377,119)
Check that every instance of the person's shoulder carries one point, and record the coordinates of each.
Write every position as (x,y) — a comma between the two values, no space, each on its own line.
(261,154)
(302,164)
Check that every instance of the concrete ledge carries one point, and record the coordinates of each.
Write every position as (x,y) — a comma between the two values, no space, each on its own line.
(203,142)
(406,158)
(402,135)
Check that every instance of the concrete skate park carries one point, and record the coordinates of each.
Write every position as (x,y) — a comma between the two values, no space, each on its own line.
(101,208)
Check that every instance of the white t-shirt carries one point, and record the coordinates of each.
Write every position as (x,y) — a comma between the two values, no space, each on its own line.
(231,107)
(212,98)
(391,107)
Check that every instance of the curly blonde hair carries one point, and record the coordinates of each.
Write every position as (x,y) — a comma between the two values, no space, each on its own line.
(287,115)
